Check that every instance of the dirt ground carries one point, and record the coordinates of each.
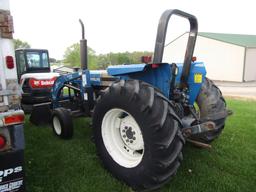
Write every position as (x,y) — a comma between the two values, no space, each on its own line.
(244,90)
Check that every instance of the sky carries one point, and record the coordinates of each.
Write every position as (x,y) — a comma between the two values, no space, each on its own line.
(121,25)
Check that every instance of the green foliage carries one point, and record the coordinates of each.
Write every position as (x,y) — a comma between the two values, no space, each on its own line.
(101,61)
(72,56)
(105,60)
(55,165)
(20,44)
(52,60)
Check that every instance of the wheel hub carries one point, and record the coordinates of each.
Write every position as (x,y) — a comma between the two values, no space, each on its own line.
(131,134)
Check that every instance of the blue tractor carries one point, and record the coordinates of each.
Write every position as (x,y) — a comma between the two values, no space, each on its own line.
(142,114)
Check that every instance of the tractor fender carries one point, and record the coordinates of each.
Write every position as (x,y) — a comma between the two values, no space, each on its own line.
(157,75)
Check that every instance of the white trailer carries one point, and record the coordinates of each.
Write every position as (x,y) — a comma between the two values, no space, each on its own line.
(11,115)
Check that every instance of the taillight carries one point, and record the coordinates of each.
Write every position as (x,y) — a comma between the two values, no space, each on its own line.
(2,142)
(9,62)
(153,66)
(14,119)
(193,59)
(46,83)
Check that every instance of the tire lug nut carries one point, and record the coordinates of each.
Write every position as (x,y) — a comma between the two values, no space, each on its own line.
(123,131)
(131,141)
(127,140)
(134,138)
(124,136)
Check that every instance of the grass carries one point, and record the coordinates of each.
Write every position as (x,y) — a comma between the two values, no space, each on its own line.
(55,165)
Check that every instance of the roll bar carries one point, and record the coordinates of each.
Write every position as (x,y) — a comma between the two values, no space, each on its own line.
(161,35)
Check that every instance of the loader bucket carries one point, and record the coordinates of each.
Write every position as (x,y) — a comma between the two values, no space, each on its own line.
(41,114)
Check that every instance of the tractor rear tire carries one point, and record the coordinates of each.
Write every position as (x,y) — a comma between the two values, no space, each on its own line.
(62,123)
(210,102)
(137,134)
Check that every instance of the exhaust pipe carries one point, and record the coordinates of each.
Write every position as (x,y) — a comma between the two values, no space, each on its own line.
(83,49)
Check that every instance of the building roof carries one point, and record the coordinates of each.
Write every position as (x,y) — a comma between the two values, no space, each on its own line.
(236,39)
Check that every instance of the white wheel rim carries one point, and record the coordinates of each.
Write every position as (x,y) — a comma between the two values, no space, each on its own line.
(57,125)
(122,138)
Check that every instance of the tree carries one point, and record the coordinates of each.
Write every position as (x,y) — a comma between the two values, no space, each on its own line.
(20,44)
(72,56)
(52,60)
(104,60)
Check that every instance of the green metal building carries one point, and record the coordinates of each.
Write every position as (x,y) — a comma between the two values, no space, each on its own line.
(228,57)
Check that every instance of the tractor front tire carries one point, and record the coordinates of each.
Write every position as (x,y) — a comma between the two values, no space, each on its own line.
(137,134)
(210,102)
(62,123)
